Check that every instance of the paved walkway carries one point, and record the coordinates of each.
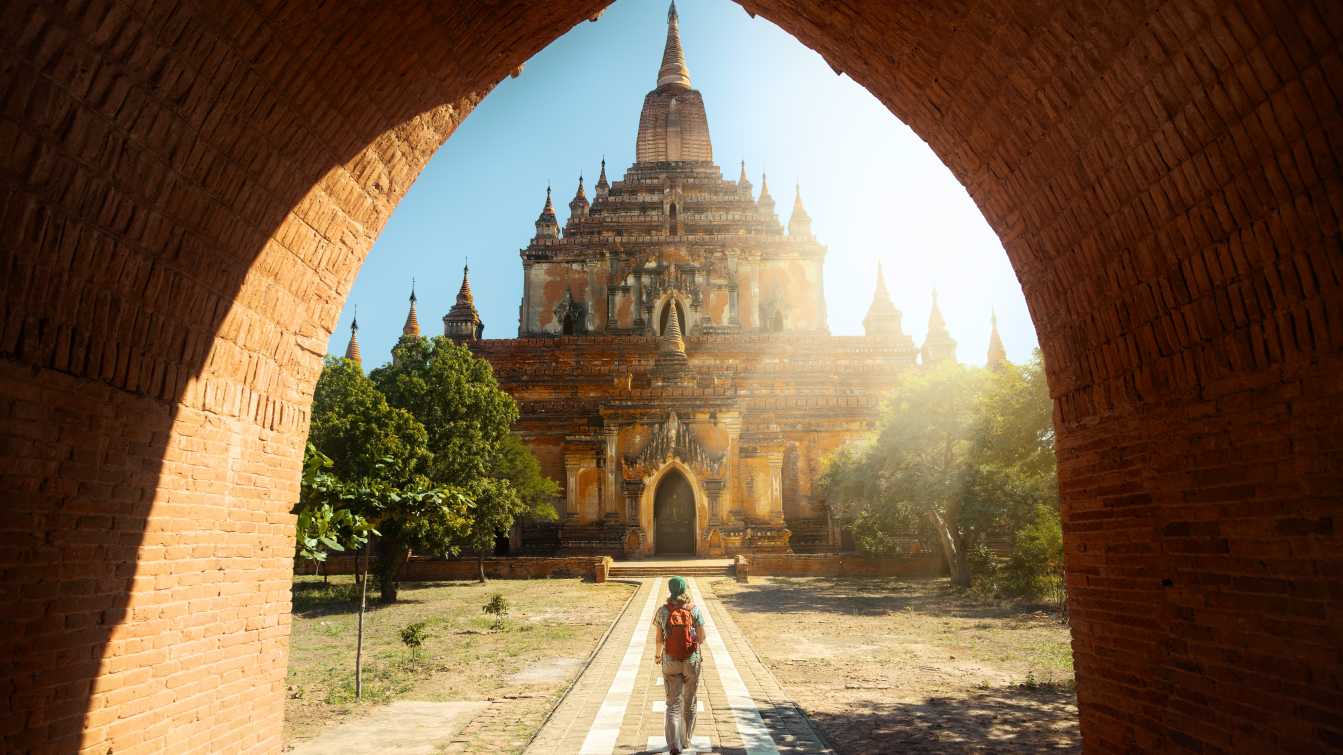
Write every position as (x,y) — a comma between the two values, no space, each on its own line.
(617,705)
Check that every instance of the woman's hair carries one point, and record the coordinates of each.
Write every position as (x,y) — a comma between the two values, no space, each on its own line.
(683,598)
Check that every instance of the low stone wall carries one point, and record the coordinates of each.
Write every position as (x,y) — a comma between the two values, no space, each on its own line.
(419,569)
(840,565)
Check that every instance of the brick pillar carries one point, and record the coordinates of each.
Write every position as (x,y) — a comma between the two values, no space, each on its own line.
(572,466)
(611,476)
(775,486)
(714,490)
(634,490)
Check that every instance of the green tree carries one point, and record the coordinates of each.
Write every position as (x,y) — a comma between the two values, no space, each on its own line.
(322,527)
(518,465)
(467,418)
(960,453)
(382,466)
(454,395)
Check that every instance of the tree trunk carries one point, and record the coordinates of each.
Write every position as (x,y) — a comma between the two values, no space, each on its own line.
(480,562)
(359,642)
(960,576)
(392,556)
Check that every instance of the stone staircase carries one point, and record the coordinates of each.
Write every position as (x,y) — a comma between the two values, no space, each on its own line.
(635,570)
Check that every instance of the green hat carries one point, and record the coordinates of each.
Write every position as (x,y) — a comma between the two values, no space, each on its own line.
(676,585)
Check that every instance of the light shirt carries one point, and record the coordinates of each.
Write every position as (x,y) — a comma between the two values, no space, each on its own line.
(660,618)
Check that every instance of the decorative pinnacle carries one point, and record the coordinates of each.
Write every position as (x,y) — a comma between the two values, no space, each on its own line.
(673,70)
(412,326)
(352,348)
(671,339)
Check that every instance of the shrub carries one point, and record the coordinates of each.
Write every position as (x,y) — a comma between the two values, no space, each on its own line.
(1035,568)
(497,606)
(413,635)
(985,577)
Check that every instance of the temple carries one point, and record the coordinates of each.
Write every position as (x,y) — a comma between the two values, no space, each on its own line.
(673,364)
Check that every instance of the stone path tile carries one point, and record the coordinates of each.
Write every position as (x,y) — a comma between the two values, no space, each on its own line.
(744,711)
(573,718)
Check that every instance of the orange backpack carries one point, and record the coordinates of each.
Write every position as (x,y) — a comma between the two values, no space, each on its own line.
(679,637)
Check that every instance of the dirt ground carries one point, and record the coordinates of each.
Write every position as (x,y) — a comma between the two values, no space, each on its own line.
(552,627)
(882,665)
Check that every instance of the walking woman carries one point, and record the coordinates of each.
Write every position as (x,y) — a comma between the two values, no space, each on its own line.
(680,632)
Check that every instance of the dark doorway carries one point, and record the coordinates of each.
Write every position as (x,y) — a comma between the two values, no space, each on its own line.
(674,515)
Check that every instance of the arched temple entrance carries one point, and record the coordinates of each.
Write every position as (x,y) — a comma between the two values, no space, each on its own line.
(189,189)
(674,515)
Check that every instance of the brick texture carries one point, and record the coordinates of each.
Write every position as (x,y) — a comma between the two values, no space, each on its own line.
(187,188)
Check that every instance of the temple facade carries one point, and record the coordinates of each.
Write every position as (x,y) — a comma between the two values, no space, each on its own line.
(673,365)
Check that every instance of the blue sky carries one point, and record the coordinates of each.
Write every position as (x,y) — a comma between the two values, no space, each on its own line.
(873,188)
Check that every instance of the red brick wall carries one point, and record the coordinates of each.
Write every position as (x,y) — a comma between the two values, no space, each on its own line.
(187,191)
(423,569)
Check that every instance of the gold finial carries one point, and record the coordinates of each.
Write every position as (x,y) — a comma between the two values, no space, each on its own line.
(673,70)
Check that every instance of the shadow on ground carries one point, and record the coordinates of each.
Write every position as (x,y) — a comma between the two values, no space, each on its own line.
(1004,720)
(874,596)
(317,599)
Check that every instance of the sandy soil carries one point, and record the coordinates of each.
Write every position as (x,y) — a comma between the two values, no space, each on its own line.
(519,671)
(890,666)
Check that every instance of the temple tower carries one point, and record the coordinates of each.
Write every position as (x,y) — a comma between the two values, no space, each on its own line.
(883,319)
(799,224)
(411,328)
(997,356)
(673,125)
(462,323)
(352,348)
(938,346)
(547,225)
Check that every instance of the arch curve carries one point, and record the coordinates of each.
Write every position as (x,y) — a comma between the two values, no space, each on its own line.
(190,195)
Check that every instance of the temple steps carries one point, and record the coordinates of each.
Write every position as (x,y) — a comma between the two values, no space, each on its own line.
(633,571)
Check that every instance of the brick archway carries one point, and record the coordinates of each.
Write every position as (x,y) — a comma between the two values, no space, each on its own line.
(189,189)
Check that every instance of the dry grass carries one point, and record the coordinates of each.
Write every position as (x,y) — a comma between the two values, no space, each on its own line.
(913,665)
(551,629)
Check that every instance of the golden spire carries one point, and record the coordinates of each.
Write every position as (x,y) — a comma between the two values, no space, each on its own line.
(938,345)
(671,338)
(673,71)
(352,348)
(800,222)
(671,366)
(765,202)
(882,319)
(997,356)
(547,226)
(462,322)
(412,327)
(602,184)
(464,295)
(578,206)
(881,293)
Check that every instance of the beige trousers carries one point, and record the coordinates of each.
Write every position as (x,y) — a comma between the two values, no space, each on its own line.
(680,680)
